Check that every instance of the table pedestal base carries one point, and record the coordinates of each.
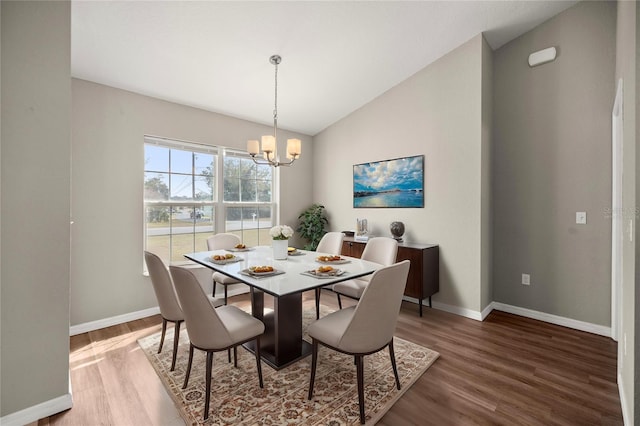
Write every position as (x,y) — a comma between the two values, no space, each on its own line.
(281,344)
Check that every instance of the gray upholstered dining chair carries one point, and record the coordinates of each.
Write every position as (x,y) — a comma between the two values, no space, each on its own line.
(170,309)
(222,241)
(382,250)
(330,243)
(365,328)
(213,330)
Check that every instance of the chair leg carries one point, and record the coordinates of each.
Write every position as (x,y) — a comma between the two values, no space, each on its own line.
(225,294)
(360,373)
(339,301)
(164,330)
(318,303)
(213,293)
(314,362)
(229,355)
(176,339)
(186,376)
(258,362)
(235,356)
(393,363)
(207,379)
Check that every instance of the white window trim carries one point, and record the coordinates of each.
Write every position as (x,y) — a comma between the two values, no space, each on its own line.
(218,204)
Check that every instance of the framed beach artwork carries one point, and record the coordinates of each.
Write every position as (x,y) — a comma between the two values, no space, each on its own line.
(397,183)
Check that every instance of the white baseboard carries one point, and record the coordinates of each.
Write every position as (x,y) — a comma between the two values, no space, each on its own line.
(108,322)
(529,313)
(554,319)
(37,412)
(623,402)
(486,311)
(233,290)
(464,312)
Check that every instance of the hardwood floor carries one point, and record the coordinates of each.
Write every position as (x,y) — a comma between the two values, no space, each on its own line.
(507,370)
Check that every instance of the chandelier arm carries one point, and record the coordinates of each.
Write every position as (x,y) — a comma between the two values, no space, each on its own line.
(272,162)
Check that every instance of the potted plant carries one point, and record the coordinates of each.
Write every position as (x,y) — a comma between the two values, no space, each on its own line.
(312,225)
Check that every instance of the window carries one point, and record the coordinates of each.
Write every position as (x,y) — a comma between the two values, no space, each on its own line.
(184,204)
(247,195)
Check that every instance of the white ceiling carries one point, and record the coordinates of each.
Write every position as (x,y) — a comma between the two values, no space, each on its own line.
(336,56)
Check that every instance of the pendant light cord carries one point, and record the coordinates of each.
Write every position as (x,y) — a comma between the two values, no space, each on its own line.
(275,106)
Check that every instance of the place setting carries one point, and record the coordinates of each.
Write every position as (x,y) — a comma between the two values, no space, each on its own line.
(292,251)
(224,259)
(241,247)
(261,271)
(332,260)
(325,271)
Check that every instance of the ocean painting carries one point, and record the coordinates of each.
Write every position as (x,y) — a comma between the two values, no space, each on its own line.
(397,183)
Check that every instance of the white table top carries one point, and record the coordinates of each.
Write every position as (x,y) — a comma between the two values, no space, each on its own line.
(293,280)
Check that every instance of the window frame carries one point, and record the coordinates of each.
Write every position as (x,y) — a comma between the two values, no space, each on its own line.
(218,205)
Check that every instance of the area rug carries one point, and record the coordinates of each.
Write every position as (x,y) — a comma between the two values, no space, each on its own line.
(236,397)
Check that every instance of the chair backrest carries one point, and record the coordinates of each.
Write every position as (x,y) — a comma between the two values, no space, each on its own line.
(163,287)
(375,317)
(206,329)
(331,243)
(382,250)
(224,241)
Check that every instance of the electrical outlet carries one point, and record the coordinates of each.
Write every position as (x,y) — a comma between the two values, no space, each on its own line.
(581,218)
(526,279)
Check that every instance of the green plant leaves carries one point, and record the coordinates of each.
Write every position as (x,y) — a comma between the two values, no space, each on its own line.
(312,225)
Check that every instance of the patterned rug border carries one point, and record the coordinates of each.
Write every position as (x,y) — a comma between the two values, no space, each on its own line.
(173,386)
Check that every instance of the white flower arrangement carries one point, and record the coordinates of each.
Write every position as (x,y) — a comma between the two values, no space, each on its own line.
(281,232)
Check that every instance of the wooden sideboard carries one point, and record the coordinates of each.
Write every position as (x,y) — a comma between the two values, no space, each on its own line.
(424,274)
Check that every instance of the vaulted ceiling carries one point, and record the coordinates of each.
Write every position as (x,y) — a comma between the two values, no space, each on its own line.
(336,55)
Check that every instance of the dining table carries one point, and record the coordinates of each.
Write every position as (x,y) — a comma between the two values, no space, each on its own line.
(282,343)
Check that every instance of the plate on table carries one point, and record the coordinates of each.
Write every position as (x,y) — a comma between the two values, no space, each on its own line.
(331,260)
(323,273)
(223,260)
(252,271)
(241,249)
(292,251)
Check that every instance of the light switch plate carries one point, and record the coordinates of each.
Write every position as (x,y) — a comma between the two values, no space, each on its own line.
(581,218)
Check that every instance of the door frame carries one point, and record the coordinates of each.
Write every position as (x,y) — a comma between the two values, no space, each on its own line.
(617,212)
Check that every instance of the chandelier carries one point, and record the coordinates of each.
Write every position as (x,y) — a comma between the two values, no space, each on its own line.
(270,142)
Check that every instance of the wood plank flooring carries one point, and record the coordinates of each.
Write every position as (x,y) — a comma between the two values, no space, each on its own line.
(507,370)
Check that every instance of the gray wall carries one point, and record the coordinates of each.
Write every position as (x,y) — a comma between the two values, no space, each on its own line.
(626,68)
(108,159)
(436,112)
(552,158)
(35,189)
